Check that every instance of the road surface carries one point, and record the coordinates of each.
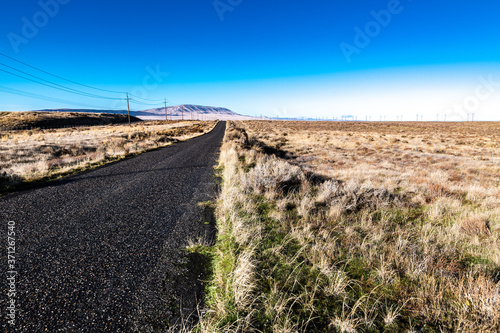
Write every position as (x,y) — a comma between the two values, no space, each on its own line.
(99,251)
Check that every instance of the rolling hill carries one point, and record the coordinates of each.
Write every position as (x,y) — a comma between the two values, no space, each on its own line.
(187,111)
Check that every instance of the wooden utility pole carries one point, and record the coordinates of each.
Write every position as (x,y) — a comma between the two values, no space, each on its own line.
(182,112)
(166,117)
(128,109)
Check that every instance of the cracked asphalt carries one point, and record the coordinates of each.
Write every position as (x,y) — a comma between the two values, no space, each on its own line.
(101,251)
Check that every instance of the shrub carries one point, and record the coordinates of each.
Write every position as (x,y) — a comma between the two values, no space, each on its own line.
(475,225)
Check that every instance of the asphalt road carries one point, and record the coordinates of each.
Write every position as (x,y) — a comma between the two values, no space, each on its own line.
(99,251)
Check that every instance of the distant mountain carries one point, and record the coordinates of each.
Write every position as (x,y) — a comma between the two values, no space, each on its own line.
(176,112)
(189,111)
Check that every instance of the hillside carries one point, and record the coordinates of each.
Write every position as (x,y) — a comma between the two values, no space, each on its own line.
(188,111)
(40,119)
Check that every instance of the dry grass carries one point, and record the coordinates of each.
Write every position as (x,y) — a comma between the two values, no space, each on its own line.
(41,119)
(476,226)
(27,156)
(346,227)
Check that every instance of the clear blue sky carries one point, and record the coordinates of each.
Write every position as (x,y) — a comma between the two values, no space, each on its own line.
(285,58)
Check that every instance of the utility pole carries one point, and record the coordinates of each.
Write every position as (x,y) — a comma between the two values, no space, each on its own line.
(473,116)
(182,111)
(128,109)
(166,117)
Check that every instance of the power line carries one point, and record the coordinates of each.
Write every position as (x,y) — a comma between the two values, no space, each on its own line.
(64,88)
(150,104)
(62,78)
(142,103)
(150,100)
(50,99)
(71,81)
(51,84)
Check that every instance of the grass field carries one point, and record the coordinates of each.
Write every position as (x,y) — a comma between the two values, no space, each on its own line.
(37,155)
(41,120)
(357,227)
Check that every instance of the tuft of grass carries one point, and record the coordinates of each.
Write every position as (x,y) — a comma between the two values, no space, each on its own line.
(476,226)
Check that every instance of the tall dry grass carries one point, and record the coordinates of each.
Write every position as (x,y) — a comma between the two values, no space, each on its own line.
(323,231)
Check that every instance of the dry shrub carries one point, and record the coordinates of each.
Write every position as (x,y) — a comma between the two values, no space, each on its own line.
(236,135)
(272,175)
(437,190)
(444,208)
(353,198)
(447,263)
(455,176)
(476,225)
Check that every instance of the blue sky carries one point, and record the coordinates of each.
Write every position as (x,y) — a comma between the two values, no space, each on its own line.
(373,59)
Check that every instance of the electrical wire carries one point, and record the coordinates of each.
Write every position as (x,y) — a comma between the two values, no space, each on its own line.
(67,89)
(145,104)
(138,100)
(169,103)
(59,77)
(48,85)
(74,82)
(149,100)
(50,99)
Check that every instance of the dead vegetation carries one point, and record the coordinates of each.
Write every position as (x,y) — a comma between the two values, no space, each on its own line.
(339,227)
(41,120)
(34,155)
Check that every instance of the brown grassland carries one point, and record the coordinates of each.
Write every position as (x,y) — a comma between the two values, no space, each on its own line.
(42,119)
(31,156)
(356,227)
